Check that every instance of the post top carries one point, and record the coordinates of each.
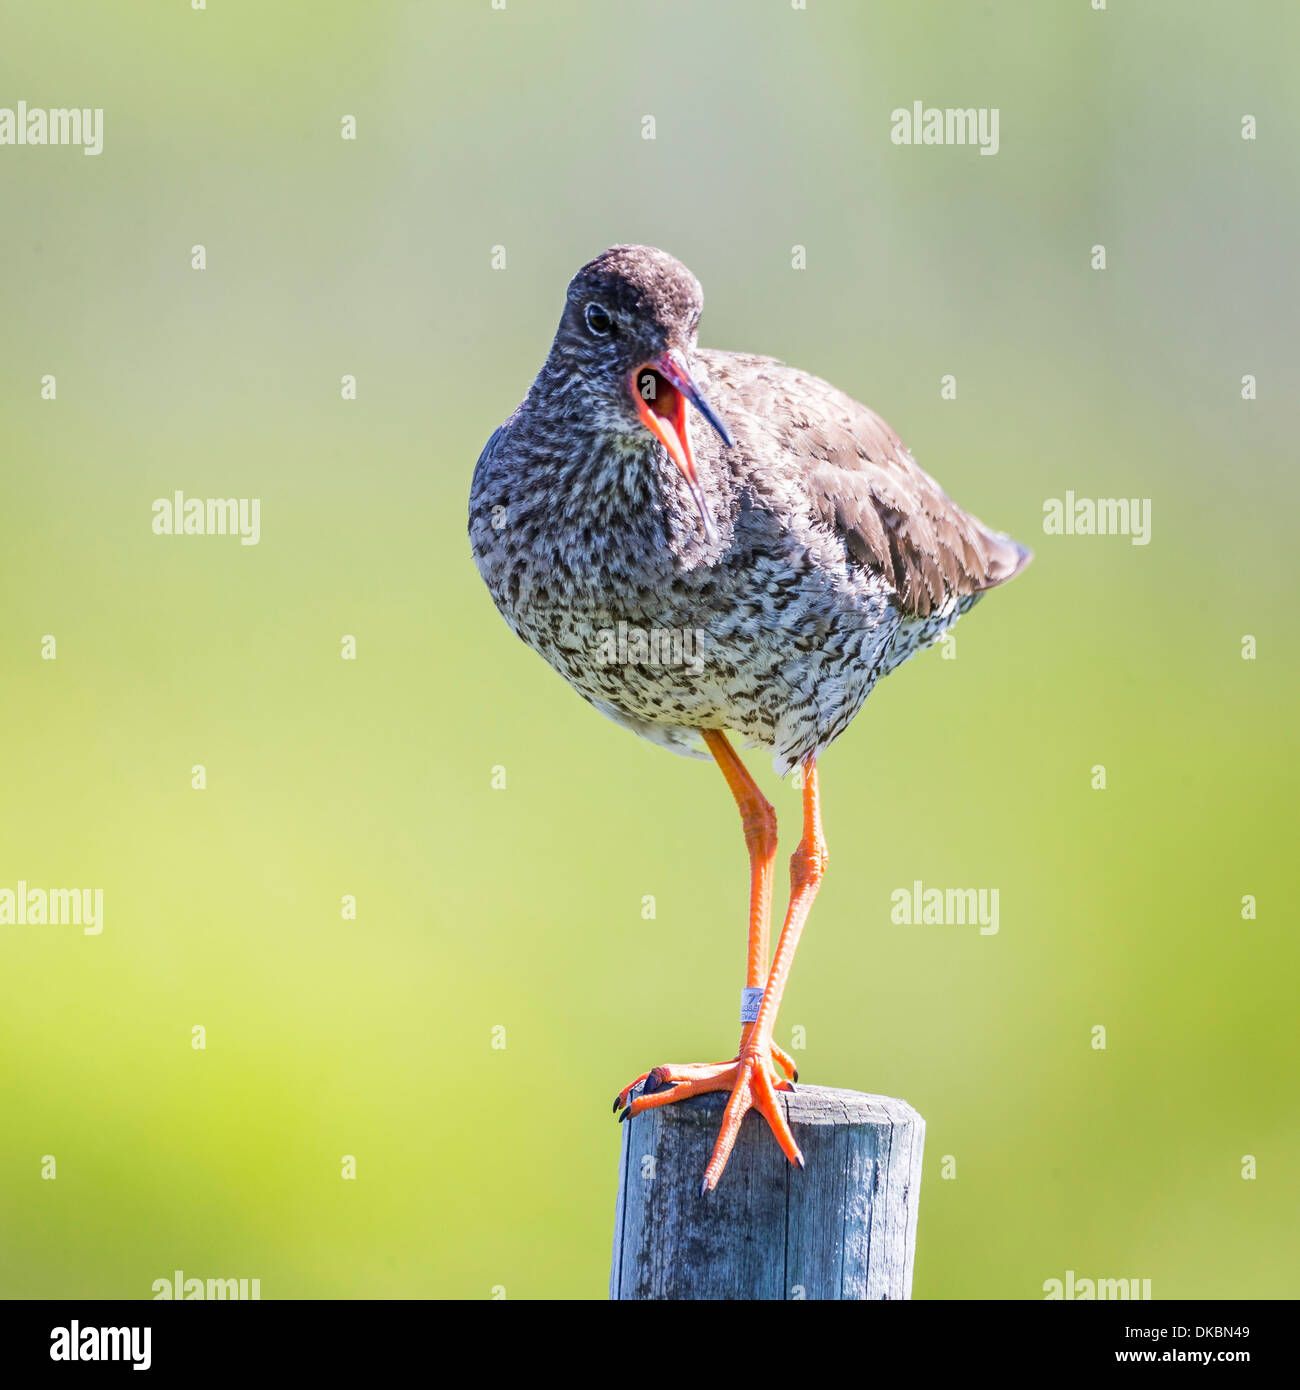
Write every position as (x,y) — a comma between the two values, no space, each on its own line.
(806,1105)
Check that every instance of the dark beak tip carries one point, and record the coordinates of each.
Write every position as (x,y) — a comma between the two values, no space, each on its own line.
(673,366)
(712,416)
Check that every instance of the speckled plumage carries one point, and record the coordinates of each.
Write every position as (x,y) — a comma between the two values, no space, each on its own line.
(835,557)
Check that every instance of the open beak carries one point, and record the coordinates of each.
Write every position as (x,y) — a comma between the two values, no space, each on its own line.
(661,389)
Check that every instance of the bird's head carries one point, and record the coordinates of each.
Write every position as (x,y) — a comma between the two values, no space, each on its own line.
(626,344)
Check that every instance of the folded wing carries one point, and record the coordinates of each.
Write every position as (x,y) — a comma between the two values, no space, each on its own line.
(892,516)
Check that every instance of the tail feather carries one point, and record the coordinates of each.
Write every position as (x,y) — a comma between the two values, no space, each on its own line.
(1007,558)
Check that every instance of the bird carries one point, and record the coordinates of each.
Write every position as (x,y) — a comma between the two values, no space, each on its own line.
(753,572)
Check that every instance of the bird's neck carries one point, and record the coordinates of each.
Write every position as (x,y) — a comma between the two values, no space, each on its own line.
(621,483)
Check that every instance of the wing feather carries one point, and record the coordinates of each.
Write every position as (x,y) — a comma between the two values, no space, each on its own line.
(864,483)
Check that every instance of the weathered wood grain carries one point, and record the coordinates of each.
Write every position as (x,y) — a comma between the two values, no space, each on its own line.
(843,1228)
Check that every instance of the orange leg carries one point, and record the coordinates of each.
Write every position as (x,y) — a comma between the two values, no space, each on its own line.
(758,819)
(750,1077)
(752,1087)
(759,822)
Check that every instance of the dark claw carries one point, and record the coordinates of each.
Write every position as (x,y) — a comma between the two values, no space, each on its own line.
(625,1114)
(618,1100)
(704,1188)
(653,1083)
(795,1077)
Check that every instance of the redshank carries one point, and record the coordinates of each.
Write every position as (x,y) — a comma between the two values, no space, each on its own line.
(759,577)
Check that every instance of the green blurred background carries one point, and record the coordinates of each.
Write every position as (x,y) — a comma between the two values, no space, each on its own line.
(481,1168)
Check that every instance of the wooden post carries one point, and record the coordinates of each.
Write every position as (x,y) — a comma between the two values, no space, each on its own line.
(843,1228)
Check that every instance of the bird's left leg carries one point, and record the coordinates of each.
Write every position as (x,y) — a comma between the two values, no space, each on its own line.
(758,820)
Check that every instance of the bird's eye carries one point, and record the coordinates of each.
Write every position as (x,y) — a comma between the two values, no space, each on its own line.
(598,320)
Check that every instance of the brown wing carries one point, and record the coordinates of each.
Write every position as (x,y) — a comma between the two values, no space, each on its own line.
(862,481)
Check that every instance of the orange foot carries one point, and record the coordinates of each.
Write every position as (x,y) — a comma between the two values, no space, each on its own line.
(752,1081)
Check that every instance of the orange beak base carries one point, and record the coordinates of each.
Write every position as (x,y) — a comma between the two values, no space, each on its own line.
(662,410)
(661,389)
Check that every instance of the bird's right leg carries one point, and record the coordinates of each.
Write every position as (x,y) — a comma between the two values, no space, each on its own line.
(758,820)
